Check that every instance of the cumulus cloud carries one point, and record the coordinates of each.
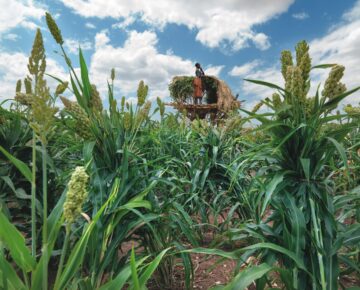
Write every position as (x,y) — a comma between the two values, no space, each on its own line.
(214,70)
(90,25)
(73,45)
(244,69)
(11,36)
(14,13)
(300,15)
(13,66)
(217,23)
(125,23)
(340,45)
(138,59)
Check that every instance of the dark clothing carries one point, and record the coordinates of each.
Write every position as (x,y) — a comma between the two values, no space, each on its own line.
(199,72)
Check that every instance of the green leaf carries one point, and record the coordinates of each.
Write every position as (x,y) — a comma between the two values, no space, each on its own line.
(305,163)
(279,249)
(9,277)
(334,101)
(151,268)
(134,275)
(77,254)
(77,94)
(85,79)
(248,276)
(217,252)
(278,178)
(266,84)
(21,166)
(15,242)
(322,66)
(119,281)
(340,149)
(55,221)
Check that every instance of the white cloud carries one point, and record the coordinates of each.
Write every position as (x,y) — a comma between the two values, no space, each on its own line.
(300,15)
(11,36)
(340,45)
(270,74)
(15,12)
(73,45)
(217,23)
(138,59)
(13,66)
(125,23)
(90,25)
(29,25)
(244,69)
(214,70)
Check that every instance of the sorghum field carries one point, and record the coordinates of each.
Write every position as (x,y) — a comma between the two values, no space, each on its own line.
(95,197)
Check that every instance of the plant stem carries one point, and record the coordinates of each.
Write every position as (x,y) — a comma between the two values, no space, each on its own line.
(318,241)
(62,257)
(33,198)
(71,67)
(44,232)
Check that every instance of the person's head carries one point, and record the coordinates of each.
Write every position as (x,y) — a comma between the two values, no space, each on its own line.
(197,65)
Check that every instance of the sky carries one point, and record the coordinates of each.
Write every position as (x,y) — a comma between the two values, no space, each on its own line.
(157,40)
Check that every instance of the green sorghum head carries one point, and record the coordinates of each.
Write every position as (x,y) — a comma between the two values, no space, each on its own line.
(37,61)
(257,107)
(18,86)
(95,100)
(61,88)
(24,99)
(302,48)
(112,75)
(54,29)
(142,92)
(79,114)
(122,103)
(332,86)
(28,85)
(161,106)
(350,110)
(276,100)
(127,120)
(309,105)
(294,83)
(303,60)
(286,60)
(76,194)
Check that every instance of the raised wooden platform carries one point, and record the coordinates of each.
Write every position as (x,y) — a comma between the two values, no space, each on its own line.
(200,111)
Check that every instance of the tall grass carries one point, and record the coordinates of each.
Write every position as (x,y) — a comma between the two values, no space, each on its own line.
(298,231)
(286,189)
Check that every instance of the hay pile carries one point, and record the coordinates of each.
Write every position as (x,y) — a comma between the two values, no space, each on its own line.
(217,92)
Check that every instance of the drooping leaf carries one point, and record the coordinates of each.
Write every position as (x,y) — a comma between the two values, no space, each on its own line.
(21,166)
(15,242)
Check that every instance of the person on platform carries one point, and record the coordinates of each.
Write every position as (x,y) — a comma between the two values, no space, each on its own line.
(197,83)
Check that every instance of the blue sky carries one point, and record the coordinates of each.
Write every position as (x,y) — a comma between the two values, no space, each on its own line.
(156,40)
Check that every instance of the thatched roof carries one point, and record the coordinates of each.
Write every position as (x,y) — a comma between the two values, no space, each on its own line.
(217,92)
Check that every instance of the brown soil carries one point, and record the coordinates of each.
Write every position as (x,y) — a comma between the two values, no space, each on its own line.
(208,273)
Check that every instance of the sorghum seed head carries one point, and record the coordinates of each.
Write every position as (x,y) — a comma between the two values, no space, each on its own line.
(61,88)
(76,194)
(142,92)
(286,60)
(54,29)
(18,86)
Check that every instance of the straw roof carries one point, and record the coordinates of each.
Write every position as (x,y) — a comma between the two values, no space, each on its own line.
(217,92)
